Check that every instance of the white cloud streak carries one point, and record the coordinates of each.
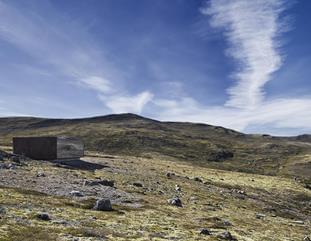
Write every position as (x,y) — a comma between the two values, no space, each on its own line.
(279,113)
(252,28)
(69,51)
(123,103)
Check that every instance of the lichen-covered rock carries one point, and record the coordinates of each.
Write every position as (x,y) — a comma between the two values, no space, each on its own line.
(205,231)
(137,184)
(75,193)
(103,205)
(226,236)
(43,216)
(175,202)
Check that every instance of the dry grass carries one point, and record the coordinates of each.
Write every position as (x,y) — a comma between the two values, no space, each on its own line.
(205,205)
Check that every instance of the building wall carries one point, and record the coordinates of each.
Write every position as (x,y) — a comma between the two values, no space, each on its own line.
(69,148)
(38,148)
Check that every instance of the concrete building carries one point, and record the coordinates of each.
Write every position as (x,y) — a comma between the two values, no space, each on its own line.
(48,147)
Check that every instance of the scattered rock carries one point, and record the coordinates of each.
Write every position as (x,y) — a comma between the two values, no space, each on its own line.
(7,166)
(260,215)
(175,202)
(298,222)
(226,235)
(76,193)
(43,216)
(307,238)
(205,231)
(170,174)
(16,158)
(137,184)
(103,205)
(241,192)
(104,182)
(2,210)
(307,186)
(227,223)
(40,174)
(197,179)
(177,188)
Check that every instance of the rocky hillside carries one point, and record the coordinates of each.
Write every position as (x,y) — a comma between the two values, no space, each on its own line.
(119,198)
(200,144)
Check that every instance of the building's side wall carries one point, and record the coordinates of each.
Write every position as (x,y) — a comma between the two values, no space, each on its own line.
(69,148)
(38,148)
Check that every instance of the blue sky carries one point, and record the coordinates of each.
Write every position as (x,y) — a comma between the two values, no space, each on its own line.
(236,63)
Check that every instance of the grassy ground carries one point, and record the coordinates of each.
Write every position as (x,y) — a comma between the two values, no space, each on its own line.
(221,196)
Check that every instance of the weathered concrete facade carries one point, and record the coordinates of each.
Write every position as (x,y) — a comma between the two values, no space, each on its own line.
(48,147)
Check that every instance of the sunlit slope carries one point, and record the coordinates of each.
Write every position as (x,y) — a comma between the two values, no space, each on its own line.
(201,144)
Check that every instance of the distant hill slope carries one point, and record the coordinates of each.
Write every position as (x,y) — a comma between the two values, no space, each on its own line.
(199,144)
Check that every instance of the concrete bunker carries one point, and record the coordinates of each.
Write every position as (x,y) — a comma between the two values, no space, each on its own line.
(48,147)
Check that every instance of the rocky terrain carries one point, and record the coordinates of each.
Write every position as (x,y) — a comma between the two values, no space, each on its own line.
(147,180)
(149,199)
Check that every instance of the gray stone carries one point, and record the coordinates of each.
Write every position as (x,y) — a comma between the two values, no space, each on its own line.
(260,215)
(137,184)
(2,210)
(104,182)
(307,238)
(227,236)
(175,202)
(227,223)
(103,205)
(298,222)
(197,179)
(205,231)
(43,216)
(76,193)
(40,174)
(170,174)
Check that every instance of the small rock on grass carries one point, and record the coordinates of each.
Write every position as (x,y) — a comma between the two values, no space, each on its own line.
(137,184)
(298,222)
(177,188)
(2,210)
(205,231)
(307,238)
(43,216)
(103,205)
(227,223)
(260,215)
(76,193)
(227,236)
(40,174)
(197,179)
(175,202)
(104,182)
(170,174)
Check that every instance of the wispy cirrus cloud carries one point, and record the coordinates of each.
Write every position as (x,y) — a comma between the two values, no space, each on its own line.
(287,114)
(253,30)
(68,50)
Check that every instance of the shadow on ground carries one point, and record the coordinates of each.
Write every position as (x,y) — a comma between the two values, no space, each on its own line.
(78,164)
